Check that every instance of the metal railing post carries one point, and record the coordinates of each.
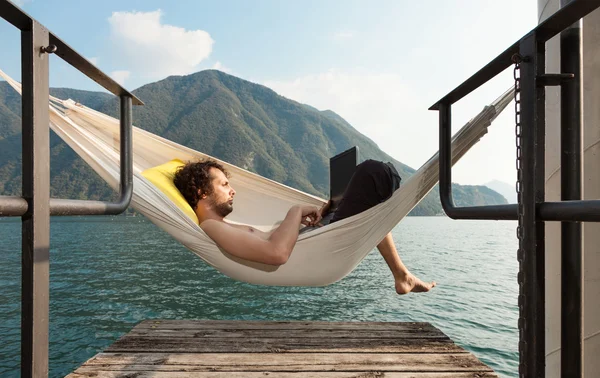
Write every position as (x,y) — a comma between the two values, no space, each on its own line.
(36,191)
(532,241)
(571,111)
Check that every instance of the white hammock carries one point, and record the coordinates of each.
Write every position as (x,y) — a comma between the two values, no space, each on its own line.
(320,257)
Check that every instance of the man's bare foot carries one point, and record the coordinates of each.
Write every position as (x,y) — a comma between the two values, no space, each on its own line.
(411,283)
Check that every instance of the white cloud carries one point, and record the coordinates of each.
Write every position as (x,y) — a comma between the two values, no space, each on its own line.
(120,76)
(379,105)
(154,49)
(343,35)
(93,60)
(219,66)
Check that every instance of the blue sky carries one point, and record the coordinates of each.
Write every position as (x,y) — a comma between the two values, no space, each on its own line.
(380,64)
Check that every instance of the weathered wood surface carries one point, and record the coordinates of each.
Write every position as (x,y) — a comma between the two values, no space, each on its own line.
(374,374)
(268,345)
(235,349)
(225,324)
(286,362)
(291,333)
(282,374)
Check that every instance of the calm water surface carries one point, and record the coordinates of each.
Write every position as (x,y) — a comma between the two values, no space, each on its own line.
(108,274)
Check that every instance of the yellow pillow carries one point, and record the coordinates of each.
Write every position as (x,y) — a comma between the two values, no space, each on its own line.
(162,177)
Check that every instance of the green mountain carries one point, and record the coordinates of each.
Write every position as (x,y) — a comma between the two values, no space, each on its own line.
(243,123)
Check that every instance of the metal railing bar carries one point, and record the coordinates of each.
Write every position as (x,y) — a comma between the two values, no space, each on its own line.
(17,206)
(15,16)
(86,207)
(504,212)
(578,211)
(12,206)
(500,63)
(492,212)
(73,58)
(549,28)
(23,21)
(566,16)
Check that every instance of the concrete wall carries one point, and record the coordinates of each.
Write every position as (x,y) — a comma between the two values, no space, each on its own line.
(591,190)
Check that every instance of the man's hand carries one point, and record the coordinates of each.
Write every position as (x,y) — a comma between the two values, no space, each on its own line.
(324,210)
(310,215)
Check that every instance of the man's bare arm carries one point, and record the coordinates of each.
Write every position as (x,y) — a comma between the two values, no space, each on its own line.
(275,250)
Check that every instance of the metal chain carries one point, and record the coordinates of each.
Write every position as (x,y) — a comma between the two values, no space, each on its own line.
(517,59)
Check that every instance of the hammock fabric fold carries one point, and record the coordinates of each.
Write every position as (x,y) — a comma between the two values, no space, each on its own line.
(321,257)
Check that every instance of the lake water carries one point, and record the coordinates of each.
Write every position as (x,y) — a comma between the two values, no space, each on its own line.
(109,273)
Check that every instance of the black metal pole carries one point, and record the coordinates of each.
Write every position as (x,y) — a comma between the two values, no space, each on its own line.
(445,154)
(126,149)
(36,191)
(581,211)
(571,110)
(532,243)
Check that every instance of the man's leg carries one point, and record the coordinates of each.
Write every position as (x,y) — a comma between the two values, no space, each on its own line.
(405,281)
(374,182)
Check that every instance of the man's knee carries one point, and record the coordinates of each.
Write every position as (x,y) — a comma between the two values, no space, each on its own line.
(370,166)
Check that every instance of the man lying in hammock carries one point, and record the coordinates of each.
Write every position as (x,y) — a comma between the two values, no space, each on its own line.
(205,186)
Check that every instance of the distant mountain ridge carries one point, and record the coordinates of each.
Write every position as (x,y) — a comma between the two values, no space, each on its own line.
(243,123)
(506,190)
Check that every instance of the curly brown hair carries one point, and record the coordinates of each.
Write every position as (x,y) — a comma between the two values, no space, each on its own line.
(195,177)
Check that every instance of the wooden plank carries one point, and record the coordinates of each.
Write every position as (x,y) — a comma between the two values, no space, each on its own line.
(298,345)
(296,349)
(287,362)
(291,333)
(235,324)
(87,373)
(275,369)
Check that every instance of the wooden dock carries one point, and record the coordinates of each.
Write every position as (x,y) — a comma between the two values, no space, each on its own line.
(249,349)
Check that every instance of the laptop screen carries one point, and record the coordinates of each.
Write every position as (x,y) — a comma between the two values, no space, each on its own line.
(341,169)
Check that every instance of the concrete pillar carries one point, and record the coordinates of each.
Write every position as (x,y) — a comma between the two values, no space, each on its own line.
(591,190)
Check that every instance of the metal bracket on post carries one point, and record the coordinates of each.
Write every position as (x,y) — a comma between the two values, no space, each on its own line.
(550,80)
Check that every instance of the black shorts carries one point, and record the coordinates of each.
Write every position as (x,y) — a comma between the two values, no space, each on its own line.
(373,182)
